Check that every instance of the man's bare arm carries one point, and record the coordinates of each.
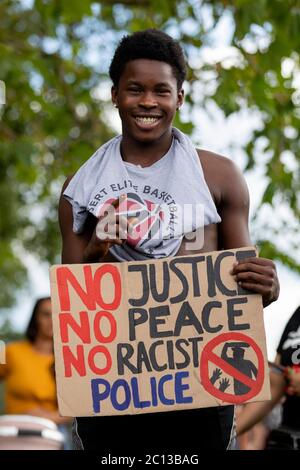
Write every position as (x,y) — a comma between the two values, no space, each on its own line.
(73,245)
(252,413)
(233,231)
(230,192)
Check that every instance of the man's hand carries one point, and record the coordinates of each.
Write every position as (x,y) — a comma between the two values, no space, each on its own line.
(258,275)
(111,229)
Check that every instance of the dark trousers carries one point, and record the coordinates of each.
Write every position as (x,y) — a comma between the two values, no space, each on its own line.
(206,428)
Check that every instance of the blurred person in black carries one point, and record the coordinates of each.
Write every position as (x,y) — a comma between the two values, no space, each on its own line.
(285,387)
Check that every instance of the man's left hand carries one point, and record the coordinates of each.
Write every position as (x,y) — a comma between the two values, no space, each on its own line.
(258,275)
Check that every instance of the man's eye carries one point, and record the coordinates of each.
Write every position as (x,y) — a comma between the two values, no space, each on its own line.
(163,92)
(134,90)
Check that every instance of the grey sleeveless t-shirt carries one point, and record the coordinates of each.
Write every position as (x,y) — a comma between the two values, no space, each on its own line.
(169,199)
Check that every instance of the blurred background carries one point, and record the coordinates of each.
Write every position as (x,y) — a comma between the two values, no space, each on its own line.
(242,100)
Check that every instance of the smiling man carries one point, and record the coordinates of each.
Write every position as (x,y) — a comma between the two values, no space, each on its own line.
(136,199)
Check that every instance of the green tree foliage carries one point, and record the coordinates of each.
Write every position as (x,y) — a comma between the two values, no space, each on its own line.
(8,333)
(54,57)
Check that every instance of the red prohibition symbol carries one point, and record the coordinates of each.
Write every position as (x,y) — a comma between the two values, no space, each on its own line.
(209,356)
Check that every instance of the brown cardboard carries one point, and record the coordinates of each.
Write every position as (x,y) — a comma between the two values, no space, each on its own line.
(182,316)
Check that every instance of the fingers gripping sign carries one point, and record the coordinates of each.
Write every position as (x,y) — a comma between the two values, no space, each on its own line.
(258,275)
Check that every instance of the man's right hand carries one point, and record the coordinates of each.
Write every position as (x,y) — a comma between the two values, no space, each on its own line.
(111,229)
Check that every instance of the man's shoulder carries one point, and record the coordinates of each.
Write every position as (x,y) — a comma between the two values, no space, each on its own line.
(220,172)
(215,162)
(67,181)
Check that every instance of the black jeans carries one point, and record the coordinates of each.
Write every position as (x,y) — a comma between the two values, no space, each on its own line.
(205,428)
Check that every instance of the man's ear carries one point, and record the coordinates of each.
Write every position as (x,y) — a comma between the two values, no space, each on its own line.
(114,96)
(180,98)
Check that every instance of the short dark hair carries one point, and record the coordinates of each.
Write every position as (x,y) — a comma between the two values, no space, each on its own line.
(32,328)
(148,44)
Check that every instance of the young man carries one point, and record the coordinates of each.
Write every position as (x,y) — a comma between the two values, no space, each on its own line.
(156,166)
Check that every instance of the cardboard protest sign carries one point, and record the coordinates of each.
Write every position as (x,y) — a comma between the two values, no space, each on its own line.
(157,335)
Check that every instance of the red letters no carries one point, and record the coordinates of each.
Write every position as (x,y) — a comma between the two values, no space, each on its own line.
(71,360)
(65,277)
(91,360)
(82,330)
(97,328)
(113,271)
(91,294)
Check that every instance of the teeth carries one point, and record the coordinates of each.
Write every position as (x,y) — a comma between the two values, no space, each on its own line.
(146,120)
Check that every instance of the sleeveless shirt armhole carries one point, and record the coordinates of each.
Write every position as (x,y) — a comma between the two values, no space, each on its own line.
(211,213)
(76,193)
(79,214)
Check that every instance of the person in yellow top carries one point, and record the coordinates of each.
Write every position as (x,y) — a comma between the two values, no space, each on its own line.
(28,371)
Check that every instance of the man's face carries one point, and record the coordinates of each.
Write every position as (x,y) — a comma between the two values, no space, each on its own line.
(147,98)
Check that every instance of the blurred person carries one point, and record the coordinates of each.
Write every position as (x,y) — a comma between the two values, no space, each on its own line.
(256,438)
(285,388)
(28,372)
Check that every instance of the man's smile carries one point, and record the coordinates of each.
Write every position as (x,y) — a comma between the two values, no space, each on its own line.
(146,121)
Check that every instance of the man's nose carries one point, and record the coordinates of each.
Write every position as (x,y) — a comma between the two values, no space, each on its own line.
(148,100)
